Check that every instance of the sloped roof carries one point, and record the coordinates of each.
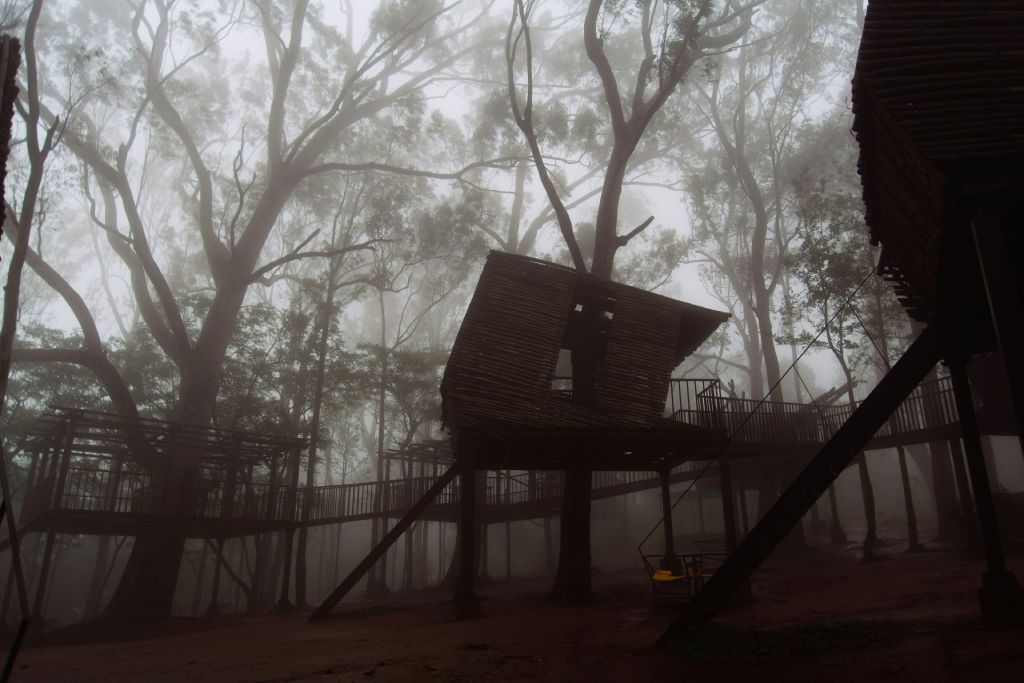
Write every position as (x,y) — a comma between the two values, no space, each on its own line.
(502,363)
(938,101)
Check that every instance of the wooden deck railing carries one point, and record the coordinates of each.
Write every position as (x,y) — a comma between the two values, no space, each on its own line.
(69,480)
(701,403)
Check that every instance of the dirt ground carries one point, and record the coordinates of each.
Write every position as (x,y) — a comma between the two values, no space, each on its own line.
(820,615)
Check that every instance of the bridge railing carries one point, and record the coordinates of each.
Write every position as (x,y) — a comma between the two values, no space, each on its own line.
(80,485)
(701,402)
(696,402)
(93,489)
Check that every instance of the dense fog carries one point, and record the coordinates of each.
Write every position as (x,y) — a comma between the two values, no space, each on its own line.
(270,217)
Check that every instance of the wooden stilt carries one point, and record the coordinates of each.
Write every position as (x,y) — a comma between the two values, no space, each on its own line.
(670,561)
(741,496)
(1001,597)
(908,503)
(970,519)
(728,509)
(835,526)
(467,604)
(213,610)
(44,572)
(284,603)
(1002,287)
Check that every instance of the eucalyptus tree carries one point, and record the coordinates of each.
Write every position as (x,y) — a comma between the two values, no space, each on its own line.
(568,101)
(233,148)
(758,98)
(666,40)
(857,315)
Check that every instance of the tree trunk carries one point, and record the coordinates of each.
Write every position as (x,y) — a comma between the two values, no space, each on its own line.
(377,584)
(572,579)
(908,502)
(99,575)
(549,551)
(868,494)
(835,527)
(314,440)
(146,589)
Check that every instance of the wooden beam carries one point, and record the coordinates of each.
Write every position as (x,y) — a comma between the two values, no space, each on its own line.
(791,506)
(382,547)
(1002,287)
(467,604)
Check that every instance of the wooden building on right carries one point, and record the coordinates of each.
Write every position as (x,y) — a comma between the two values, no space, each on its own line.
(938,100)
(938,104)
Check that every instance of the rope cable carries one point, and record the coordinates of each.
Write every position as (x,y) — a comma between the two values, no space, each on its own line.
(760,403)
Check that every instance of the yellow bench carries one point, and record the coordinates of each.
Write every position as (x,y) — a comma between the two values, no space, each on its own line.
(692,578)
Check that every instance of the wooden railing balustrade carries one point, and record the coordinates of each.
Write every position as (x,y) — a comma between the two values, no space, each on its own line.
(67,475)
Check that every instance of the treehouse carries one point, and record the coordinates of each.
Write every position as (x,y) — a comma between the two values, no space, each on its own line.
(512,399)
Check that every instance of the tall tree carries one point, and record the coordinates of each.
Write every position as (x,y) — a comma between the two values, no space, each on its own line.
(321,88)
(672,38)
(758,99)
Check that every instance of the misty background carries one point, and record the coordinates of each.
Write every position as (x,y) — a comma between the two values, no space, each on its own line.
(270,216)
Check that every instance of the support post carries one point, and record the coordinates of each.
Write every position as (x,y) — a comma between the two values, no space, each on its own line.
(289,513)
(728,502)
(670,561)
(741,499)
(467,604)
(213,610)
(1002,287)
(913,545)
(835,526)
(1001,597)
(966,497)
(44,575)
(700,510)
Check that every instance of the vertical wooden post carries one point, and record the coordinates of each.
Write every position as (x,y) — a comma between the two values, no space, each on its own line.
(700,511)
(728,511)
(670,561)
(908,503)
(835,526)
(971,525)
(213,609)
(508,526)
(44,572)
(1001,597)
(288,515)
(200,573)
(35,475)
(467,604)
(741,496)
(1002,286)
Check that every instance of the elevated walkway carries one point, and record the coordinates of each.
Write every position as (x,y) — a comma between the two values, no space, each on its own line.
(87,476)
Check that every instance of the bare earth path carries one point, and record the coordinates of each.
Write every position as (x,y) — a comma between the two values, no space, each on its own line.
(820,616)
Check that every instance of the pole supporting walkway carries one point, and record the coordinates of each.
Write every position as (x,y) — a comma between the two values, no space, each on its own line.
(833,458)
(396,531)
